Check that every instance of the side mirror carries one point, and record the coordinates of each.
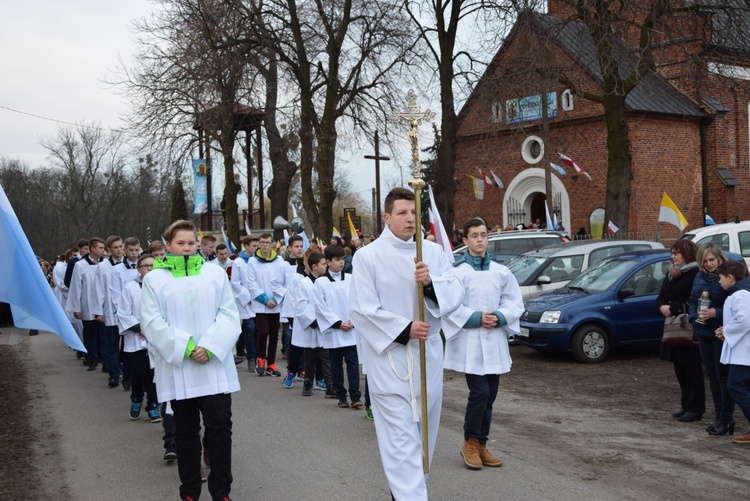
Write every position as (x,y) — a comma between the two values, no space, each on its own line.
(543,280)
(625,293)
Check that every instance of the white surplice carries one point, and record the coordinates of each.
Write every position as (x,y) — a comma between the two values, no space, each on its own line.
(736,348)
(304,334)
(82,297)
(241,288)
(382,303)
(483,351)
(269,278)
(200,307)
(331,306)
(128,316)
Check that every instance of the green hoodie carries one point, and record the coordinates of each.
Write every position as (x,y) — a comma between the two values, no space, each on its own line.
(180,266)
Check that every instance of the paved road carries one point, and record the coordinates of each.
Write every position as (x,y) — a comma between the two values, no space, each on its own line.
(286,446)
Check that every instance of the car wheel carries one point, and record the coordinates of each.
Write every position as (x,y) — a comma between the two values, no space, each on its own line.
(590,344)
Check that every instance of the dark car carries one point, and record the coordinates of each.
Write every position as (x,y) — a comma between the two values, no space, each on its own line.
(611,304)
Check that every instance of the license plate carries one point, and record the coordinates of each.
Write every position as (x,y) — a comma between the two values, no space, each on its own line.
(524,332)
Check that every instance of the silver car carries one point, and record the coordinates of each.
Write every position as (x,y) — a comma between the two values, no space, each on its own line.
(553,266)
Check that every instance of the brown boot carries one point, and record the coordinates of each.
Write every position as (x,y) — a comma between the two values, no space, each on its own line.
(470,453)
(487,458)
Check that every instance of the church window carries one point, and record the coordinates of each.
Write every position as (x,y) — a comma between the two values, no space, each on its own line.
(567,100)
(532,149)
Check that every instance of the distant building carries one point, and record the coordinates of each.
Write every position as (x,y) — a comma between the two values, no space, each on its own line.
(689,133)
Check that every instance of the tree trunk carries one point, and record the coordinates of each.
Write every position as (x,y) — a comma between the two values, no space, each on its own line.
(619,168)
(445,186)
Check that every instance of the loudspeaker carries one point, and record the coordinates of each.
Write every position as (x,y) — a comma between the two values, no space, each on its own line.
(297,225)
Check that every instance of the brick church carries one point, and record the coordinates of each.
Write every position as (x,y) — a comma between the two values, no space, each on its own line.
(688,126)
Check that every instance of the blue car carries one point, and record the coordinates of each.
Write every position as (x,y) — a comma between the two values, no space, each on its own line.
(611,304)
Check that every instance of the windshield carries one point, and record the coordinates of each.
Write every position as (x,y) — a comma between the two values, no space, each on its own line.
(523,267)
(602,276)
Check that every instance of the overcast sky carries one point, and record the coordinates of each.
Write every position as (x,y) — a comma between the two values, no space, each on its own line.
(54,60)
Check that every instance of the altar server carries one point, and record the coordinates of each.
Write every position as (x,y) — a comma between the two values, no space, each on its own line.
(383,306)
(477,337)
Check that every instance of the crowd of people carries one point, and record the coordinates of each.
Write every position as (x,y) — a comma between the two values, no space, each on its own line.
(172,323)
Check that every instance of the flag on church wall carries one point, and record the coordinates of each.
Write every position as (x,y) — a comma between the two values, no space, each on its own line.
(558,168)
(570,163)
(497,180)
(478,186)
(22,283)
(669,213)
(485,179)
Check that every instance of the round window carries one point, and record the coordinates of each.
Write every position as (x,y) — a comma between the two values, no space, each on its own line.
(532,150)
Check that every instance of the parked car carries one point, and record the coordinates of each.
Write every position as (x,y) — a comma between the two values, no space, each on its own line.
(551,267)
(611,304)
(732,237)
(504,246)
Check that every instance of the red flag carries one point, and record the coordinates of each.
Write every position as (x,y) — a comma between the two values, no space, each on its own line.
(483,177)
(570,163)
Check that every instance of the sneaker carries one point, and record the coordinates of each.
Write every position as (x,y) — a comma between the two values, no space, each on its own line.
(330,394)
(368,413)
(251,365)
(300,376)
(742,439)
(289,380)
(260,369)
(170,455)
(153,414)
(238,360)
(126,383)
(320,384)
(356,404)
(135,410)
(273,371)
(114,382)
(307,388)
(343,403)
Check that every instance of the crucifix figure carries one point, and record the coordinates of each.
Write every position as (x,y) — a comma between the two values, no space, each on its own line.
(414,115)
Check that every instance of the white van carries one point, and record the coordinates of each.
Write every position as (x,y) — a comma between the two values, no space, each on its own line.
(732,237)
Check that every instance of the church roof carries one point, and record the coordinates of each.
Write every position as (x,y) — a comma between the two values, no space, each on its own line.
(653,94)
(730,22)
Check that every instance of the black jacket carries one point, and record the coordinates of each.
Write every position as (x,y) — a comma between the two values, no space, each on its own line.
(676,293)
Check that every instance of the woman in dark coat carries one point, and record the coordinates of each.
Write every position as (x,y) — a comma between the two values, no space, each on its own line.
(673,300)
(709,257)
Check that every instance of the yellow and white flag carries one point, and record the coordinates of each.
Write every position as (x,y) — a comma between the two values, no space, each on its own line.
(669,213)
(478,186)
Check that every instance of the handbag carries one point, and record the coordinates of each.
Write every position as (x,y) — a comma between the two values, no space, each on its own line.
(677,331)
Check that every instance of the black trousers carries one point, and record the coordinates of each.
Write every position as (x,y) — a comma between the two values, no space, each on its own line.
(217,418)
(311,358)
(142,377)
(692,387)
(338,356)
(267,332)
(482,393)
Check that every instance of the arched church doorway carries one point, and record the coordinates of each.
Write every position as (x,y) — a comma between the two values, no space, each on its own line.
(525,196)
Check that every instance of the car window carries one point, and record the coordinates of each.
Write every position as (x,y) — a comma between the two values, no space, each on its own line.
(603,275)
(600,254)
(523,267)
(744,237)
(647,280)
(720,239)
(541,242)
(563,269)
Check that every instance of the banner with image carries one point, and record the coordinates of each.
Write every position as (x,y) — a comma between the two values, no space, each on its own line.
(529,108)
(200,170)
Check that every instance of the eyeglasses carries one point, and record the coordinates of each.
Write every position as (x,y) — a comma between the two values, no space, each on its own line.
(146,266)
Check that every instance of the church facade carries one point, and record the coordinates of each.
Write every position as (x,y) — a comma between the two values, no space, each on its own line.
(688,129)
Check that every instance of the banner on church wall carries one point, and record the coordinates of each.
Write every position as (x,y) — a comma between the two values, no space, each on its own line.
(200,170)
(529,108)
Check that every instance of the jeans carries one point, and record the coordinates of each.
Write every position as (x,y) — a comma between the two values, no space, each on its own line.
(217,418)
(267,330)
(739,387)
(717,373)
(248,334)
(286,337)
(349,355)
(110,353)
(91,329)
(482,393)
(142,378)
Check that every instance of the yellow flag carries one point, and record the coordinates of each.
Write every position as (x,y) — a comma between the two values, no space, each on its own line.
(669,213)
(352,229)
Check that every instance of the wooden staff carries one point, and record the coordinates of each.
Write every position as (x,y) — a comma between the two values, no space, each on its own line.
(414,115)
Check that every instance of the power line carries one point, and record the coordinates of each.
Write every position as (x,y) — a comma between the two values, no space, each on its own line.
(57,121)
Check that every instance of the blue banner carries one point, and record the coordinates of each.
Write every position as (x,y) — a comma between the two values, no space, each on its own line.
(22,283)
(200,170)
(529,108)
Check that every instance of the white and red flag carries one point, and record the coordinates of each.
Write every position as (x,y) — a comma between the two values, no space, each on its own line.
(437,228)
(570,163)
(612,228)
(487,180)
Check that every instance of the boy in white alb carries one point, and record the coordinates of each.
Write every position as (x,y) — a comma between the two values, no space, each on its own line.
(477,337)
(337,332)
